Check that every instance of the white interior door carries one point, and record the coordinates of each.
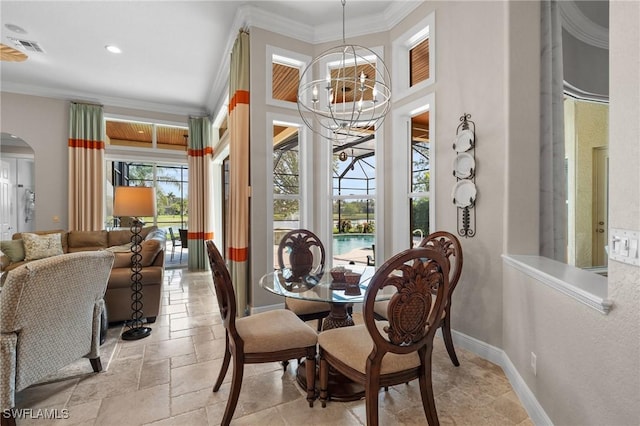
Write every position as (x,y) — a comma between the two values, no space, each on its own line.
(7,204)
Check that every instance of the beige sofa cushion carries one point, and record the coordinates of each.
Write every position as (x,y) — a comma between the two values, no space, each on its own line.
(149,249)
(119,237)
(87,240)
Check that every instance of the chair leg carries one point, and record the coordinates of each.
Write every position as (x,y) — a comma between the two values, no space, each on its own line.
(225,365)
(234,393)
(324,380)
(173,248)
(448,340)
(310,369)
(371,401)
(10,420)
(319,327)
(180,254)
(96,364)
(426,390)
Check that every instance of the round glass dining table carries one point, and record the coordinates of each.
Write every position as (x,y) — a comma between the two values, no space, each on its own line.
(320,287)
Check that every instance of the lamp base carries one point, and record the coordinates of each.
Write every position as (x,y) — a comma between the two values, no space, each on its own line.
(136,333)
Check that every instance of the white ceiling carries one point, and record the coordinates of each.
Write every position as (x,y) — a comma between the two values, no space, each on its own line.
(175,53)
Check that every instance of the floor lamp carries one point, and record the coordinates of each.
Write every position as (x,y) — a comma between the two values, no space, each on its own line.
(135,201)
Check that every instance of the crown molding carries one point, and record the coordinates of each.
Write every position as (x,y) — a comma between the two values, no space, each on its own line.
(581,27)
(253,16)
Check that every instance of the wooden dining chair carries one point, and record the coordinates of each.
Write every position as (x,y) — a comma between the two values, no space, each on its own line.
(447,244)
(303,253)
(271,336)
(385,353)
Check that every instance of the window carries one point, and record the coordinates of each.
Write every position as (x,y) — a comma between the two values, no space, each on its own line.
(149,154)
(146,135)
(286,180)
(419,62)
(353,193)
(284,69)
(420,177)
(171,183)
(414,58)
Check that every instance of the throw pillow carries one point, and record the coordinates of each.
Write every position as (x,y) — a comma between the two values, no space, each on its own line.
(149,251)
(14,249)
(122,260)
(41,246)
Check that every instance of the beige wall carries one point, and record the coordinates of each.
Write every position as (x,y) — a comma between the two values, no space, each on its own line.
(44,124)
(588,364)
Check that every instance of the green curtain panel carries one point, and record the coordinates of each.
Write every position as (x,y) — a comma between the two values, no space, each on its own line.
(238,252)
(200,226)
(86,167)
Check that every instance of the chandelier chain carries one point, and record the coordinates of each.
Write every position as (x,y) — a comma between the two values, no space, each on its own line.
(343,3)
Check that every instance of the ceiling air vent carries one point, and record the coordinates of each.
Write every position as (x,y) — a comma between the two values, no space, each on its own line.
(31,46)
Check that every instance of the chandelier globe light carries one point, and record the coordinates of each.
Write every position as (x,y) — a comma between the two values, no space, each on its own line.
(352,97)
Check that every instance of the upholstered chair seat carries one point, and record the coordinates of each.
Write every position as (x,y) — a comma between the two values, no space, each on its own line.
(352,346)
(274,331)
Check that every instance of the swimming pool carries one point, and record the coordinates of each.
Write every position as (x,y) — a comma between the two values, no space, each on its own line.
(344,243)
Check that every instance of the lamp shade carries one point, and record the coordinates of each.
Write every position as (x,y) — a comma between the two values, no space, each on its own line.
(134,201)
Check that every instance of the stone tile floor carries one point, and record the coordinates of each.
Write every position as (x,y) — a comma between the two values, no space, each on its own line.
(166,379)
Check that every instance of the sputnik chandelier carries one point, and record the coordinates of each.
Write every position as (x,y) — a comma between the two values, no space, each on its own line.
(353,96)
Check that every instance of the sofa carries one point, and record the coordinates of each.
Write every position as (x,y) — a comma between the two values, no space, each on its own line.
(118,294)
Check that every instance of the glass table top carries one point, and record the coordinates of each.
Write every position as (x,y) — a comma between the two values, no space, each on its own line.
(321,287)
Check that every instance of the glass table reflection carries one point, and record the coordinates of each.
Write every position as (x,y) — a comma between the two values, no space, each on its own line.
(321,287)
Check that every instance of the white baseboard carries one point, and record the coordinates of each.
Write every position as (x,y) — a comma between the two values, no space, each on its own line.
(497,356)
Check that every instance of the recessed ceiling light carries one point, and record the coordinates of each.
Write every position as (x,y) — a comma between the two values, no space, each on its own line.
(113,49)
(16,29)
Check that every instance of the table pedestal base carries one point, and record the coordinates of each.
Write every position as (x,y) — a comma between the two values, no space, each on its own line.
(339,388)
(338,317)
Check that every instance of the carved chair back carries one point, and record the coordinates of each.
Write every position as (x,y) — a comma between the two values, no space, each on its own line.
(421,279)
(447,244)
(302,252)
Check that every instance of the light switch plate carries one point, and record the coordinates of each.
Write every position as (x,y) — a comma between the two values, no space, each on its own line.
(624,245)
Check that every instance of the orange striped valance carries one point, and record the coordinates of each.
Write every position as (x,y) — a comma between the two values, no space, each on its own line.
(238,254)
(81,143)
(239,97)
